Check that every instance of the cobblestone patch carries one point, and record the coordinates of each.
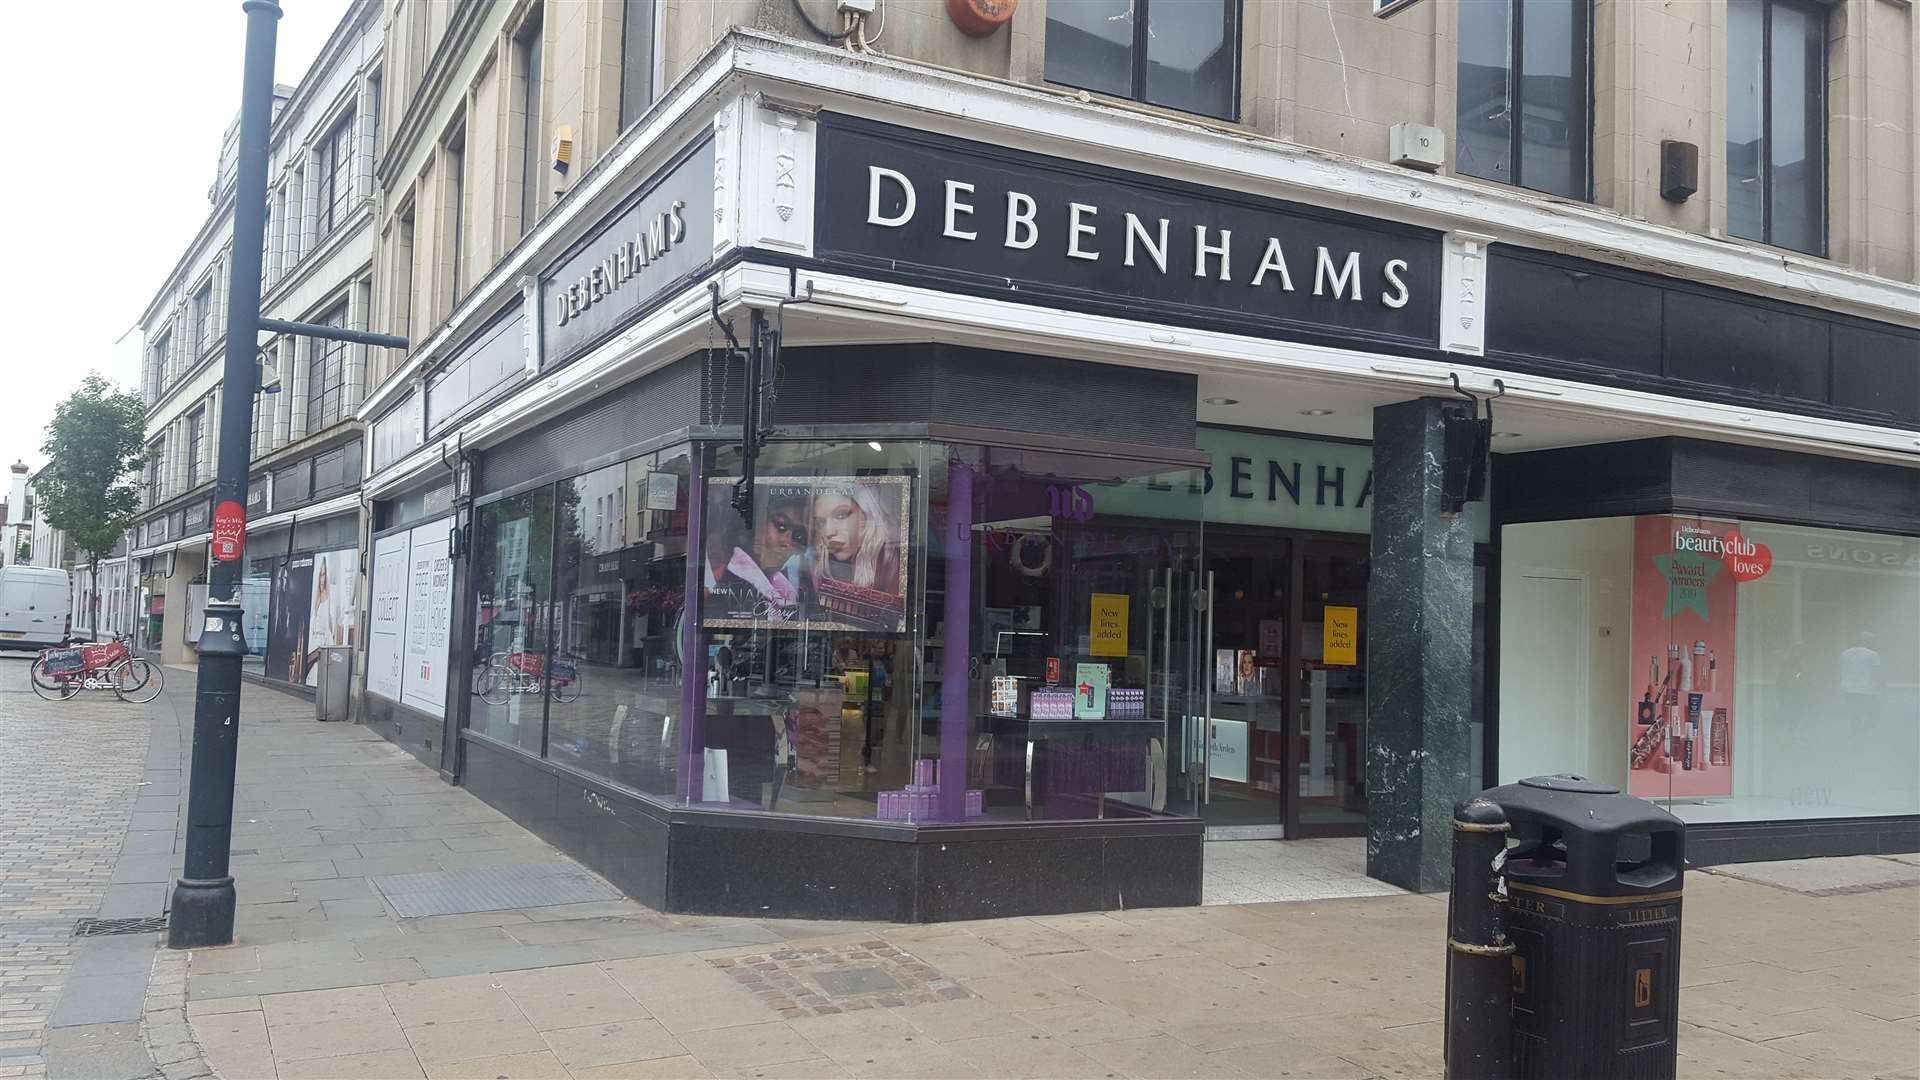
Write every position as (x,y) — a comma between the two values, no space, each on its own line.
(69,772)
(822,980)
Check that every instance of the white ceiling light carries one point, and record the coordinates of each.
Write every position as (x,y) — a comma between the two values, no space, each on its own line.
(1221,400)
(1316,412)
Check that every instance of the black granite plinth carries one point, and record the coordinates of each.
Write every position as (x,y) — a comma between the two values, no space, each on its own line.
(1419,651)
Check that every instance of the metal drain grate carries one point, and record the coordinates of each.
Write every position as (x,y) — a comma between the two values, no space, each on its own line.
(453,892)
(151,924)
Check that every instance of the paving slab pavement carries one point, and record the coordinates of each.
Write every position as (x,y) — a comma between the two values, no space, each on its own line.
(1810,969)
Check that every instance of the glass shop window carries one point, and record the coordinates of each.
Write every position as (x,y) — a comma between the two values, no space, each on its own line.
(1731,670)
(513,544)
(811,629)
(614,688)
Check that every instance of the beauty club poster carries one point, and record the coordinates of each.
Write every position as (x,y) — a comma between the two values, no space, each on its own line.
(1686,576)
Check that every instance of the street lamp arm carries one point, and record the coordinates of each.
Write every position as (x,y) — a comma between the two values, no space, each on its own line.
(332,333)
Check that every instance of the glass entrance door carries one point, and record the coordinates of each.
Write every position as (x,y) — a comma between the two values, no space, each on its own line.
(1328,749)
(1247,675)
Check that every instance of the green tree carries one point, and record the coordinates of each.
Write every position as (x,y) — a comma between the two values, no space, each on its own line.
(89,489)
(23,553)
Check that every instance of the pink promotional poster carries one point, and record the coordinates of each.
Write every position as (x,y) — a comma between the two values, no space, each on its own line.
(1682,734)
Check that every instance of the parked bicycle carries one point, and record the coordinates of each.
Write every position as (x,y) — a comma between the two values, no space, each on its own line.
(59,674)
(510,673)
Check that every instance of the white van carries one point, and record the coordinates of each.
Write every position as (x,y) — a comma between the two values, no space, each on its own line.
(36,607)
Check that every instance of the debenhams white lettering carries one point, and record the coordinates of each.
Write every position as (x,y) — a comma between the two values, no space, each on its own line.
(625,263)
(1335,275)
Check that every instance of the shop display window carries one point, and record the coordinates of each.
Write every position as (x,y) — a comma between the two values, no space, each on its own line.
(812,630)
(620,578)
(1730,670)
(927,632)
(1067,664)
(514,609)
(580,590)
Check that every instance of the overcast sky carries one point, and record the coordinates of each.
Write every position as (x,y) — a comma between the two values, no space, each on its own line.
(114,136)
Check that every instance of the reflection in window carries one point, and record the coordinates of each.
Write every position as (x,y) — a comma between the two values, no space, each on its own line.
(620,582)
(1776,123)
(1524,88)
(514,609)
(1181,54)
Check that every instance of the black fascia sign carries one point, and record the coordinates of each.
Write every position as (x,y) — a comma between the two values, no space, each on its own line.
(959,215)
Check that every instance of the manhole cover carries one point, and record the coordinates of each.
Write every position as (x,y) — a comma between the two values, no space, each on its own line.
(456,892)
(151,924)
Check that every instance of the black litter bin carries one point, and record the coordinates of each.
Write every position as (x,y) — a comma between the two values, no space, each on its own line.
(1593,880)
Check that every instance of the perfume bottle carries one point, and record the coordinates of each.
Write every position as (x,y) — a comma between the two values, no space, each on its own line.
(1713,670)
(1643,715)
(1673,676)
(1697,667)
(1717,737)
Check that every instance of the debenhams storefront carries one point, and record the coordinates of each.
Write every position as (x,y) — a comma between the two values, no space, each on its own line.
(873,494)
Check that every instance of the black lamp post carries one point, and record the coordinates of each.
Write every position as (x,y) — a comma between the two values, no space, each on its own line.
(203,898)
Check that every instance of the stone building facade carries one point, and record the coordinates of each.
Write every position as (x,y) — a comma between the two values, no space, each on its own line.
(866,465)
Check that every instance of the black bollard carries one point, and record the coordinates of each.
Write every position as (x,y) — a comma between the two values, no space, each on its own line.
(1479,1006)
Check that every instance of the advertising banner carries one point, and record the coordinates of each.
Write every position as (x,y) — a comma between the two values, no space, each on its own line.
(429,611)
(287,624)
(330,624)
(388,623)
(820,553)
(1680,735)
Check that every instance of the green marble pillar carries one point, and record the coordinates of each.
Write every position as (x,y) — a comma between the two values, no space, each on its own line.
(1419,651)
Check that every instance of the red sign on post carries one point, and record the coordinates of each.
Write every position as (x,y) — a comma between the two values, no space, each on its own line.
(229,531)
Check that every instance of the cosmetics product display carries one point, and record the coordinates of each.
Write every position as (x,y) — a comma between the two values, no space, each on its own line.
(1051,703)
(1127,703)
(1717,723)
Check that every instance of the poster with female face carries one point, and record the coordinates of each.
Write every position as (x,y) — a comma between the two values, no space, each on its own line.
(331,623)
(818,553)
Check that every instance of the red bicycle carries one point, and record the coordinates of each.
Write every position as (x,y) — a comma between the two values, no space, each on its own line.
(510,673)
(59,674)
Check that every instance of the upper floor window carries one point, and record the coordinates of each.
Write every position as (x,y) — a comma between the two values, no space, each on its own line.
(157,366)
(636,59)
(1180,54)
(533,156)
(196,443)
(1777,123)
(266,245)
(336,176)
(203,318)
(456,210)
(326,374)
(156,453)
(1524,93)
